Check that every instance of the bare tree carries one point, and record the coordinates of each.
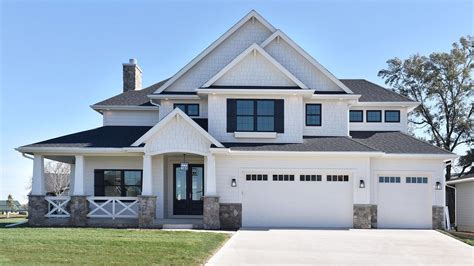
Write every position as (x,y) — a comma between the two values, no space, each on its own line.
(57,177)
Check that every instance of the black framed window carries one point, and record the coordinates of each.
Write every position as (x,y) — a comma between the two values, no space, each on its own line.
(392,116)
(374,116)
(118,183)
(313,114)
(356,116)
(191,109)
(255,115)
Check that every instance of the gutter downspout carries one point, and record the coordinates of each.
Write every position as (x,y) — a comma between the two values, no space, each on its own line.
(155,104)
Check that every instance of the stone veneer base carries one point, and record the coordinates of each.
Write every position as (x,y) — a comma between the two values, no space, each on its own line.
(146,211)
(210,217)
(230,215)
(37,208)
(365,216)
(78,208)
(438,217)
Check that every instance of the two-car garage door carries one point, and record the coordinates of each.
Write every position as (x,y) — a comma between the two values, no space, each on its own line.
(295,199)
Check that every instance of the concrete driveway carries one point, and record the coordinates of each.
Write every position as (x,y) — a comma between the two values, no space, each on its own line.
(406,247)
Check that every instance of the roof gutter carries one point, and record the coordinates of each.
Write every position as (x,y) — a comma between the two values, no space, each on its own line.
(124,107)
(77,150)
(227,151)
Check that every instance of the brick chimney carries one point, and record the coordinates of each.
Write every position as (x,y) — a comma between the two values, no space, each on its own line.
(132,76)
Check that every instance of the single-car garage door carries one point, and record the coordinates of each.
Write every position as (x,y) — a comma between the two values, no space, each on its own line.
(404,201)
(293,199)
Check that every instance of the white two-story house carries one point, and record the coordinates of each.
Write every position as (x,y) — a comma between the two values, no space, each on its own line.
(253,132)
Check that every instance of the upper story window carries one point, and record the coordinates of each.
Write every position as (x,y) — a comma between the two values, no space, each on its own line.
(125,183)
(191,109)
(392,116)
(251,115)
(374,116)
(313,114)
(356,116)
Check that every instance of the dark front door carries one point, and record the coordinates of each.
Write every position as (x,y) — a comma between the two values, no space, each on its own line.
(188,189)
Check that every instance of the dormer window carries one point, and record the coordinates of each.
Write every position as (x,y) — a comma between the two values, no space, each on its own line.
(191,109)
(374,116)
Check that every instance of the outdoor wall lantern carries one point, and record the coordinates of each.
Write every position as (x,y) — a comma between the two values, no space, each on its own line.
(361,184)
(233,183)
(438,185)
(184,165)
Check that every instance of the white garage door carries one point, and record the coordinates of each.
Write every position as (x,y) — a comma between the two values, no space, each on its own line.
(404,201)
(297,200)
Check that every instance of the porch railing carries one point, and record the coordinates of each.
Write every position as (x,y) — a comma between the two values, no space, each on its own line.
(57,206)
(113,207)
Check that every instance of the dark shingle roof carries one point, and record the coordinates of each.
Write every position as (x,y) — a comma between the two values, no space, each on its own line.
(102,137)
(371,92)
(134,98)
(310,144)
(395,142)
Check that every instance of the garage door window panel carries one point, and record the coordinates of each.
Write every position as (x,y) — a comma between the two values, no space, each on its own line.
(337,178)
(416,180)
(256,177)
(389,179)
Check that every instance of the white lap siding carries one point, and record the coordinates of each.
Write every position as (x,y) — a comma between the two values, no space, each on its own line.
(465,206)
(130,118)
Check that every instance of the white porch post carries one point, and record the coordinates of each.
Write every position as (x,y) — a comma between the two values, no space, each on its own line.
(37,182)
(79,176)
(210,176)
(147,186)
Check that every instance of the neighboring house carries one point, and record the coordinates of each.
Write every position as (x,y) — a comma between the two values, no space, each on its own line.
(5,207)
(253,132)
(464,200)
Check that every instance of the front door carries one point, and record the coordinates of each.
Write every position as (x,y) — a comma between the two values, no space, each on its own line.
(188,190)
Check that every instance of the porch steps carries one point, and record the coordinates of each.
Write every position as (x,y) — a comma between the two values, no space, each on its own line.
(180,223)
(178,226)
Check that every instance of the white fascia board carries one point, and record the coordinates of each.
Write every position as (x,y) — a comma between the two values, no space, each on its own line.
(307,56)
(451,182)
(254,48)
(210,48)
(336,96)
(76,150)
(167,119)
(397,104)
(123,107)
(294,153)
(420,156)
(173,96)
(255,91)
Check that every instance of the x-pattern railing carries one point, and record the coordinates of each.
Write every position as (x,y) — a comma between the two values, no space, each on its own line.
(113,207)
(57,207)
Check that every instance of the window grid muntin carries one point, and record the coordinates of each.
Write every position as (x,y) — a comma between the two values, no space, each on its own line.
(358,112)
(392,119)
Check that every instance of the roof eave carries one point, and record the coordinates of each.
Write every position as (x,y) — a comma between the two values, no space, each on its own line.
(124,107)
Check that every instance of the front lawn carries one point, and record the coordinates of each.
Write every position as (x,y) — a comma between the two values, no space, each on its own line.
(106,246)
(465,237)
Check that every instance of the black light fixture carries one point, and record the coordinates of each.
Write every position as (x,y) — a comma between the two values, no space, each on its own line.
(233,183)
(184,165)
(438,185)
(361,184)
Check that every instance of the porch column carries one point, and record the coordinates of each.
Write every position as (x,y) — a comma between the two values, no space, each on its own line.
(37,182)
(78,205)
(37,206)
(147,184)
(211,209)
(210,174)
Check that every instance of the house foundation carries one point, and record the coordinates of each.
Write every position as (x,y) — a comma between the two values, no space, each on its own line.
(230,215)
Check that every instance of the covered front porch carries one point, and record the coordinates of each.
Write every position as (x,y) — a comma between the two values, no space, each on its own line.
(158,175)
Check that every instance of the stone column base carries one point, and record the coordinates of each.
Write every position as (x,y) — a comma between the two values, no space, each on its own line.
(78,208)
(210,217)
(438,217)
(230,215)
(146,211)
(37,208)
(365,216)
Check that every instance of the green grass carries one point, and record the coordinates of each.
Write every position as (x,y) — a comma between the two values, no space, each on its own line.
(106,246)
(467,238)
(5,221)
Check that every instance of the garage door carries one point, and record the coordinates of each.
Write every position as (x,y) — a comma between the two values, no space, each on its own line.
(294,199)
(404,201)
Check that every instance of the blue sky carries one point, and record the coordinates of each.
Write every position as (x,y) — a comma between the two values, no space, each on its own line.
(59,57)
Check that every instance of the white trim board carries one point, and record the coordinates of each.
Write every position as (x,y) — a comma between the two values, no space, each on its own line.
(254,48)
(210,48)
(167,119)
(307,56)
